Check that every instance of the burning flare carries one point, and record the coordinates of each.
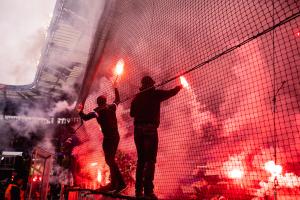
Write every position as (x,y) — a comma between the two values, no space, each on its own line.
(119,67)
(99,176)
(184,82)
(94,164)
(275,170)
(236,174)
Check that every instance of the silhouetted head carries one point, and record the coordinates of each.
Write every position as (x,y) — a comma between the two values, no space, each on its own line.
(147,82)
(101,100)
(18,180)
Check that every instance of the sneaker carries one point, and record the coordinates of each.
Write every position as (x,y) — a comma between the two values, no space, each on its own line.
(150,196)
(120,189)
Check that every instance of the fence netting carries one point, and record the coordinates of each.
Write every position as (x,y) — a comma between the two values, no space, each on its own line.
(234,133)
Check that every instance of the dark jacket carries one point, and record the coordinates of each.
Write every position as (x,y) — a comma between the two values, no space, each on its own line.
(145,107)
(106,117)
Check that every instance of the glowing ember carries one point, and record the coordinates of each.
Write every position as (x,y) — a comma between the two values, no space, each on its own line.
(275,170)
(36,178)
(234,167)
(184,82)
(107,178)
(99,176)
(236,174)
(119,67)
(94,164)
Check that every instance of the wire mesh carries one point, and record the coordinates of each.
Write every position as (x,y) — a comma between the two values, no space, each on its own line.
(218,138)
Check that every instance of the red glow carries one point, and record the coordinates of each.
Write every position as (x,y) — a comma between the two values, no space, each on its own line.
(36,178)
(298,34)
(79,107)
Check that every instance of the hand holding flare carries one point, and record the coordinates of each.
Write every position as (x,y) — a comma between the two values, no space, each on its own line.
(119,69)
(184,82)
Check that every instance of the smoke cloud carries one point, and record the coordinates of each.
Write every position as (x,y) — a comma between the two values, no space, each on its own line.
(226,119)
(23,34)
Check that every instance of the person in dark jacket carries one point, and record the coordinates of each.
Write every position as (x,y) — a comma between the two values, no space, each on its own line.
(145,109)
(106,117)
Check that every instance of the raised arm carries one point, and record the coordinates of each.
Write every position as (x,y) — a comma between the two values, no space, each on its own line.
(117,97)
(166,94)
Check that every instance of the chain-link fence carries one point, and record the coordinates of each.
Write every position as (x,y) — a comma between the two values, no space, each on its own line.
(234,132)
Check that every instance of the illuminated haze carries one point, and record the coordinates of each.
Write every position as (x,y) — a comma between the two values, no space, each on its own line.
(23,28)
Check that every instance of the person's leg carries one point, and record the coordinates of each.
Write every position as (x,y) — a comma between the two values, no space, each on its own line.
(138,140)
(151,144)
(121,185)
(109,153)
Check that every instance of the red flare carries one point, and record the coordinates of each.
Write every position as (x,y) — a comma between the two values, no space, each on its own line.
(99,176)
(119,67)
(236,174)
(94,164)
(274,169)
(184,82)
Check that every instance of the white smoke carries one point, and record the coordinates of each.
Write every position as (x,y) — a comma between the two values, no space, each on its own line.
(62,106)
(187,121)
(23,34)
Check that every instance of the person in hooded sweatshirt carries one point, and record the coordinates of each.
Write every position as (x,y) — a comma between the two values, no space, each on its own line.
(145,109)
(106,118)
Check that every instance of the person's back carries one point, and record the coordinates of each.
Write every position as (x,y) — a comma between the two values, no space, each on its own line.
(107,120)
(145,108)
(105,115)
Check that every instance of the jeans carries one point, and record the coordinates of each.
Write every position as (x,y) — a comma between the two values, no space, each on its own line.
(110,146)
(146,141)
